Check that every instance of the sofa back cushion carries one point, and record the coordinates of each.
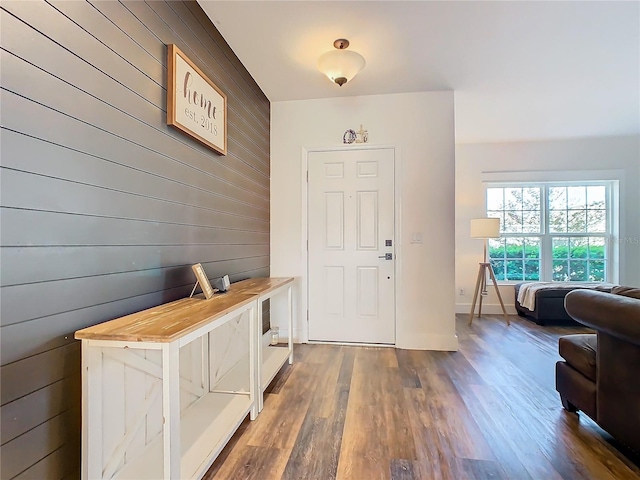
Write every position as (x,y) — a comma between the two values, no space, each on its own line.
(632,292)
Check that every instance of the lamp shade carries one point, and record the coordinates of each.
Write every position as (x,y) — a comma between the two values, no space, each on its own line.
(341,65)
(485,228)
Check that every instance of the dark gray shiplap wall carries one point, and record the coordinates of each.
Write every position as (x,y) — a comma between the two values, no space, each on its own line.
(104,208)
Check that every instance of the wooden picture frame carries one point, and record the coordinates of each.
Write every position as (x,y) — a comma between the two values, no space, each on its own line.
(202,279)
(195,105)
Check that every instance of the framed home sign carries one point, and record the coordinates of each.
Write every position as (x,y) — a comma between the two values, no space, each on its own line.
(195,105)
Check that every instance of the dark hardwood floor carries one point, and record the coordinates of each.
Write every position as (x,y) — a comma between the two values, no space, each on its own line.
(488,411)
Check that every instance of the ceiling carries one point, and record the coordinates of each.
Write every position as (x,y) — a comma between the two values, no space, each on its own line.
(520,70)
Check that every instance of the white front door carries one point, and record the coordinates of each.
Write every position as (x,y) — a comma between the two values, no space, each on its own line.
(351,246)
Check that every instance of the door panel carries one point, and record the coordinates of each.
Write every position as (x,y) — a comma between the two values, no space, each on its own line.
(351,216)
(367,222)
(334,291)
(367,288)
(334,208)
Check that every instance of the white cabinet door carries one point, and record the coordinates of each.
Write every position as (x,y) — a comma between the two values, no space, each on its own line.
(351,226)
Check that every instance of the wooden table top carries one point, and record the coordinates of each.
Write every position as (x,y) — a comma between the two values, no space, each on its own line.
(170,321)
(259,286)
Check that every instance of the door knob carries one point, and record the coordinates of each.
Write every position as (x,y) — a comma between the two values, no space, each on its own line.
(386,256)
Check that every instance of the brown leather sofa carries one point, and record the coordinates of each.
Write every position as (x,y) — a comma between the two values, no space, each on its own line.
(600,374)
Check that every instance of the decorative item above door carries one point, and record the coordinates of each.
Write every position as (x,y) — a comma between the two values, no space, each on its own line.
(355,136)
(195,105)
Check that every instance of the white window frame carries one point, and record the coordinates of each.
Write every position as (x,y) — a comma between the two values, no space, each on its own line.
(546,238)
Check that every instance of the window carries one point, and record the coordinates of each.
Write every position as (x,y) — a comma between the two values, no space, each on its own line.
(551,231)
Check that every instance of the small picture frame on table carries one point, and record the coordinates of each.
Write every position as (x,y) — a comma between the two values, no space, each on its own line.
(202,280)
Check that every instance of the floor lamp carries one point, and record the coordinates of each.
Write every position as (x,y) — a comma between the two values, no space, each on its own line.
(485,228)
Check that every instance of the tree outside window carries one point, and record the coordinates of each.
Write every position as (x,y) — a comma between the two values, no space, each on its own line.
(562,227)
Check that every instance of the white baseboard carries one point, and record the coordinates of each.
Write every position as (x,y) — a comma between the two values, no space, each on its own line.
(351,344)
(444,343)
(489,308)
(284,335)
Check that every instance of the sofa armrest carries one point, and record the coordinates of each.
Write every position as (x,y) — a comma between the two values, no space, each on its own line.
(616,315)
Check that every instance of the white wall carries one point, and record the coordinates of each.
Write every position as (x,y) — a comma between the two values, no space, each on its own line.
(421,125)
(610,157)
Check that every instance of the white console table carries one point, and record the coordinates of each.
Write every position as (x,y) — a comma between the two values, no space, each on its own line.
(164,389)
(270,358)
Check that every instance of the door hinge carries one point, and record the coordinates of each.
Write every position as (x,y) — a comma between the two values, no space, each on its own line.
(307,316)
(307,245)
(307,176)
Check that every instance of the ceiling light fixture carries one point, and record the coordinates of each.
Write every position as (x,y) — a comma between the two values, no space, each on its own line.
(341,65)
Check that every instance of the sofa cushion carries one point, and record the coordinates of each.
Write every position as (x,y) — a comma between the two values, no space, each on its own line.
(579,351)
(632,292)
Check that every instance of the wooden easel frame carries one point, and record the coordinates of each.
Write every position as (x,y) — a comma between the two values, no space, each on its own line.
(481,287)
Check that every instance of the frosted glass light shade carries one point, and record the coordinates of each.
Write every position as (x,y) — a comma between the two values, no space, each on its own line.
(485,228)
(338,64)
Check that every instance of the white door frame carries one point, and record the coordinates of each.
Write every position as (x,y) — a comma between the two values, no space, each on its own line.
(304,287)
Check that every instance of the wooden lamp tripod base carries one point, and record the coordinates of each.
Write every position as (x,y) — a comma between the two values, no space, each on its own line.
(481,289)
